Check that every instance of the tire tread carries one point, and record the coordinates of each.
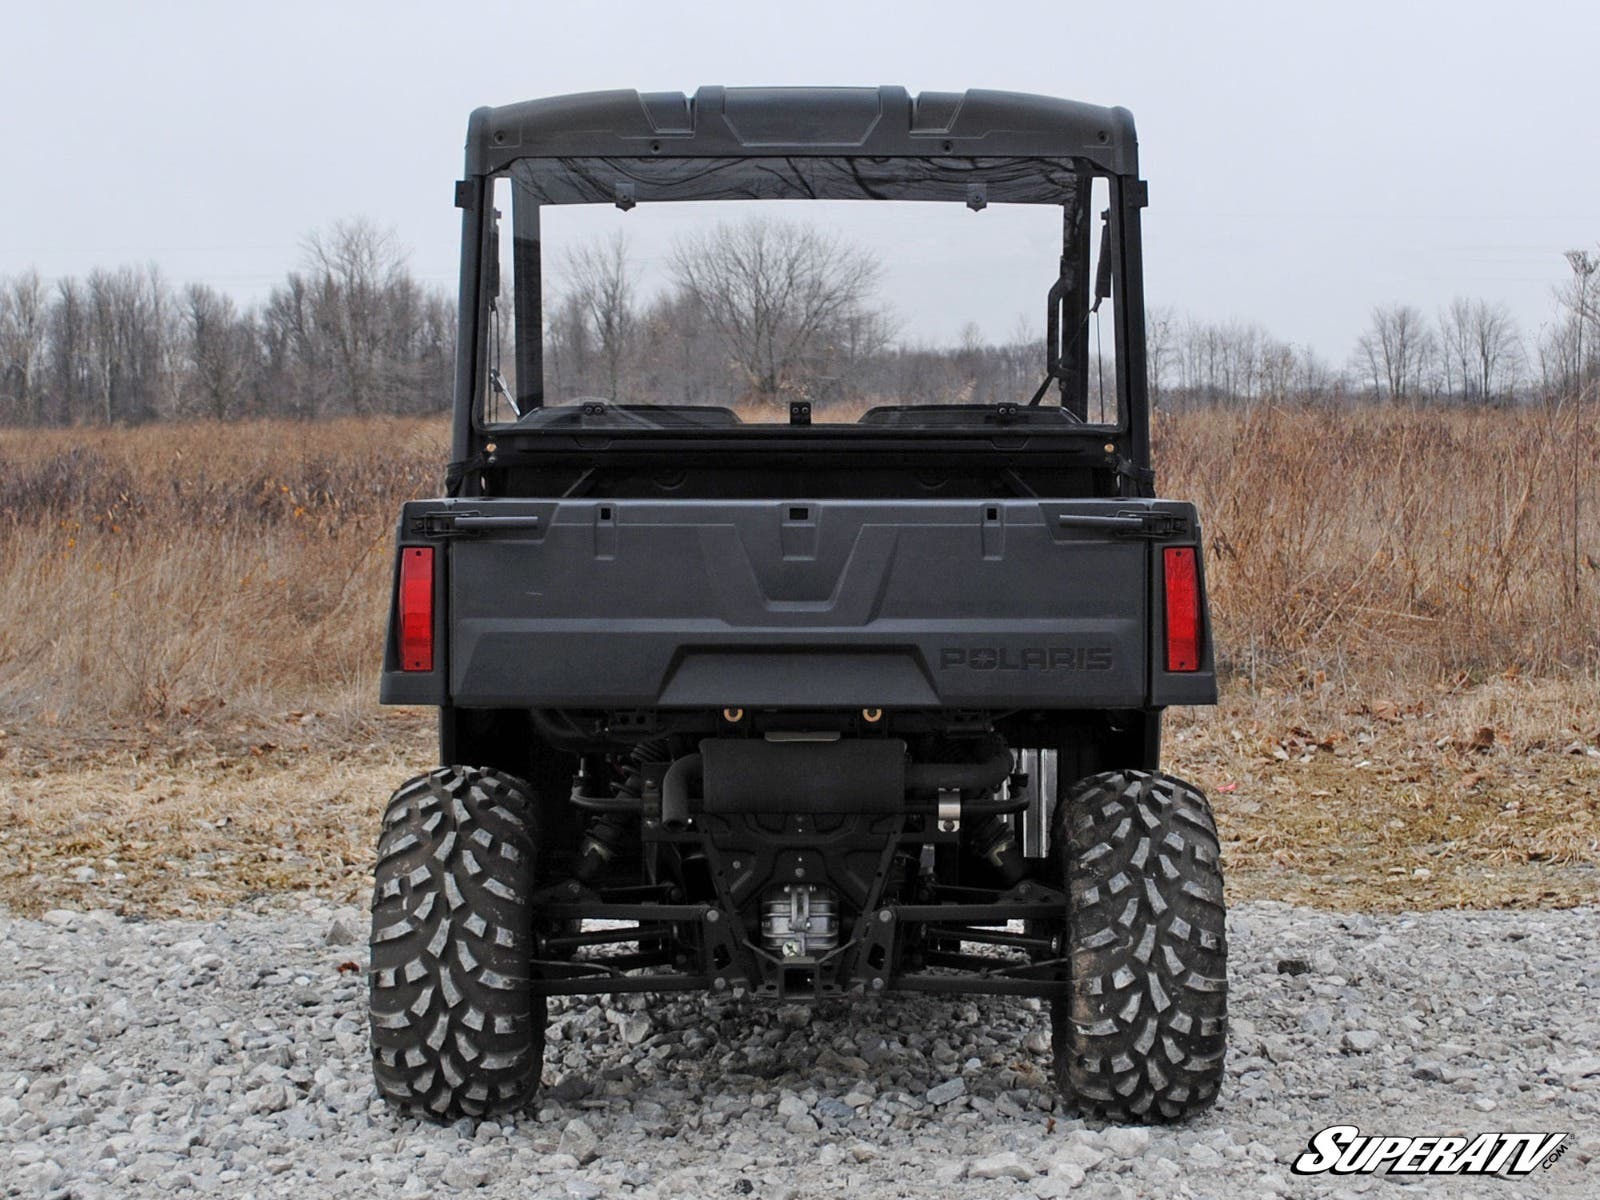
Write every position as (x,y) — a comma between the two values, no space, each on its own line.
(1142,1037)
(455,1030)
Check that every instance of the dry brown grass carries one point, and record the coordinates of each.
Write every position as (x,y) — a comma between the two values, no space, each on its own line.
(1377,545)
(190,616)
(168,573)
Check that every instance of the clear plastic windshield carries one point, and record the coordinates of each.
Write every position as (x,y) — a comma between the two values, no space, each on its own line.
(618,298)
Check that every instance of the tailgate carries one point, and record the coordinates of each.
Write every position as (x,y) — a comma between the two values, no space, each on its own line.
(645,603)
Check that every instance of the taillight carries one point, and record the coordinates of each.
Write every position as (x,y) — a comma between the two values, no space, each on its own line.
(416,609)
(1183,609)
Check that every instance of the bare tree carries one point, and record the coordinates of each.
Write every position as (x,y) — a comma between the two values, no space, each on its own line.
(1497,349)
(680,360)
(775,292)
(1480,349)
(1160,347)
(23,339)
(353,331)
(856,341)
(354,271)
(68,359)
(220,348)
(566,347)
(599,281)
(298,353)
(1314,379)
(1396,351)
(1278,361)
(356,298)
(1455,346)
(129,343)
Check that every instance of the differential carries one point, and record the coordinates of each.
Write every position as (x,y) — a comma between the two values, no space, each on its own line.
(800,921)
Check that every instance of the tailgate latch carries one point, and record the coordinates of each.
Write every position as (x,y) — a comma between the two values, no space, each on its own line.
(1161,525)
(434,525)
(1144,523)
(471,524)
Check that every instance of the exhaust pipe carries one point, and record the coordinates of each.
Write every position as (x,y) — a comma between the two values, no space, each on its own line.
(684,777)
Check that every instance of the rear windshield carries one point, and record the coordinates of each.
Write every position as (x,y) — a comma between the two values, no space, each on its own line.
(618,297)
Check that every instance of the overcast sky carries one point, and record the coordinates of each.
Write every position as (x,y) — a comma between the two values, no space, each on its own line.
(1304,165)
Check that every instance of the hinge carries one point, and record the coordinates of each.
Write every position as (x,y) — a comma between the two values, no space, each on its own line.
(463,193)
(1139,475)
(1138,193)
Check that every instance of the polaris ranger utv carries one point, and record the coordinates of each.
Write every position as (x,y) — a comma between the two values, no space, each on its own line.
(754,703)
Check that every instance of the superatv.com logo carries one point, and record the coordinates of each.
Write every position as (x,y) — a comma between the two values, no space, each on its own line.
(1345,1150)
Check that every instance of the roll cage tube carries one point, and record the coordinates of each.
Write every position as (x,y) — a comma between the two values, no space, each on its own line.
(801,125)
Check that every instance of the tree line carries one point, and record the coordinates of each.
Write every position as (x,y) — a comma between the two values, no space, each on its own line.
(1471,352)
(763,311)
(349,331)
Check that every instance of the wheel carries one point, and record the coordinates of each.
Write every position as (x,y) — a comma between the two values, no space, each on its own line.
(1142,1035)
(456,1030)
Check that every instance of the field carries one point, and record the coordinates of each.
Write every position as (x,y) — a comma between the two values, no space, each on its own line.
(190,616)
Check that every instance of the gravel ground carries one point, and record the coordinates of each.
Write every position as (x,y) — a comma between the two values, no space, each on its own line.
(228,1058)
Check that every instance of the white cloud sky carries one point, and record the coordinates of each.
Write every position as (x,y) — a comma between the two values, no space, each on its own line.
(1306,162)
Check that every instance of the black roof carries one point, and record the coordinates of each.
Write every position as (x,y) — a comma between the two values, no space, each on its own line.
(742,122)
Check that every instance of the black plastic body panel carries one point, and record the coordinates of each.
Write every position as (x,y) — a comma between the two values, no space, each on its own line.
(996,604)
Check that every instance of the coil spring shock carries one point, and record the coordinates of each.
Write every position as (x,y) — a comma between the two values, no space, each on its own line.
(602,842)
(654,750)
(608,833)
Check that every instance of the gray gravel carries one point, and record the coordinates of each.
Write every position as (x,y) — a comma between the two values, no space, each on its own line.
(229,1059)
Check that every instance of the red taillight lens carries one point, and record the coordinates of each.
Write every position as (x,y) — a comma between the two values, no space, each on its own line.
(416,609)
(1183,609)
